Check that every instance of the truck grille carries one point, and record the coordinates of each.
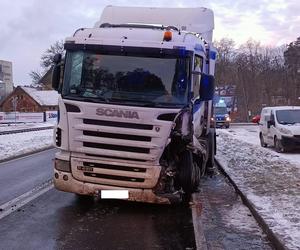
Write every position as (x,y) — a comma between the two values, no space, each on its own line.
(116,147)
(117,136)
(118,124)
(118,152)
(114,167)
(113,177)
(122,174)
(117,140)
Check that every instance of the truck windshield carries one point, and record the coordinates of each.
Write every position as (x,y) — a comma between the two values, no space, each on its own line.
(130,80)
(288,116)
(221,110)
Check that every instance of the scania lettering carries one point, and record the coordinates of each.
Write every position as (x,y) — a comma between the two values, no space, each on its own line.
(118,113)
(135,104)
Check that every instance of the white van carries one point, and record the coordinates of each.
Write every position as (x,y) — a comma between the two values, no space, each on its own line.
(280,127)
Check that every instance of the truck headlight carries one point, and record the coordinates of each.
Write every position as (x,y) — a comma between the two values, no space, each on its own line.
(61,165)
(285,131)
(228,119)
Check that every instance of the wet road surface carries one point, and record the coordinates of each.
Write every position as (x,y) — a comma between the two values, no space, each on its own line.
(226,222)
(21,175)
(59,220)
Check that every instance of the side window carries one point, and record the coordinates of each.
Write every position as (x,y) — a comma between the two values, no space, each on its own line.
(76,69)
(198,64)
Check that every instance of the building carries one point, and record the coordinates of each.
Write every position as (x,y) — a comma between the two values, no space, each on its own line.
(6,79)
(26,99)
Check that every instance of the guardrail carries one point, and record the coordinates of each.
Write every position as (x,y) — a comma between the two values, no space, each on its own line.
(24,130)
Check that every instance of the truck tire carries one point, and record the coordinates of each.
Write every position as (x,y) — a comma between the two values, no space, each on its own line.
(189,173)
(212,148)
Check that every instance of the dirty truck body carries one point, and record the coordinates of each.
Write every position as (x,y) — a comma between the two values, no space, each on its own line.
(135,105)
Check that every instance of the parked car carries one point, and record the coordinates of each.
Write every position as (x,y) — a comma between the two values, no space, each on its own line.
(280,127)
(256,119)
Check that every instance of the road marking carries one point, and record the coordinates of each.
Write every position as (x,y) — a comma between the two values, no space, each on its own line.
(16,203)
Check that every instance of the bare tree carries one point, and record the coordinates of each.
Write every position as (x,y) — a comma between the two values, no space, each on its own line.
(48,56)
(35,75)
(46,61)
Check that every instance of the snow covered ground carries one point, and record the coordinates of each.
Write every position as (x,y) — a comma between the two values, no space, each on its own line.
(250,134)
(12,145)
(18,126)
(268,179)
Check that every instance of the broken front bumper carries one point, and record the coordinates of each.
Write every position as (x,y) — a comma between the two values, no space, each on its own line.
(65,182)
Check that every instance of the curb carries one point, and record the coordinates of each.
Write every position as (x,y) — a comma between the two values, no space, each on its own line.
(26,154)
(200,239)
(274,239)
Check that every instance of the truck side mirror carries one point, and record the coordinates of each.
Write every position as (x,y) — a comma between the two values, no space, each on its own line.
(56,71)
(207,87)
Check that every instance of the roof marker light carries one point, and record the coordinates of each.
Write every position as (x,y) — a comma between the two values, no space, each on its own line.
(167,36)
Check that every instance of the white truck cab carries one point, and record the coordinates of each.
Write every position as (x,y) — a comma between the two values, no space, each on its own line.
(280,127)
(135,104)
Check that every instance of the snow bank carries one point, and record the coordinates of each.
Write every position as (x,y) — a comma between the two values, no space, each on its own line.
(267,179)
(13,145)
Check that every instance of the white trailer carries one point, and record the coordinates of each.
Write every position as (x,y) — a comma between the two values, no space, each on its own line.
(136,103)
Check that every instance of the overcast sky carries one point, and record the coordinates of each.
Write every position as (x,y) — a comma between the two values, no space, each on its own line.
(28,27)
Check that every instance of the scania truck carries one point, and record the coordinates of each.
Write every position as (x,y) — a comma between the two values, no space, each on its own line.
(135,104)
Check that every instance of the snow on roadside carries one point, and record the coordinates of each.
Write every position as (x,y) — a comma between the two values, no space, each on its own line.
(250,134)
(268,180)
(18,126)
(17,144)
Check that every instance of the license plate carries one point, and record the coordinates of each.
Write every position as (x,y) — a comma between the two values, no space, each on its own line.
(114,194)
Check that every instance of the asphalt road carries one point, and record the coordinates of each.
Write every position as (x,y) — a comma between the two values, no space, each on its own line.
(58,220)
(21,175)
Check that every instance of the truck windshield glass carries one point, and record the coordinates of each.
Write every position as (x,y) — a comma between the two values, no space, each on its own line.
(288,116)
(220,110)
(132,80)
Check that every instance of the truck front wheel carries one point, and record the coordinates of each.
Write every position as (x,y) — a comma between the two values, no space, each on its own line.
(189,173)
